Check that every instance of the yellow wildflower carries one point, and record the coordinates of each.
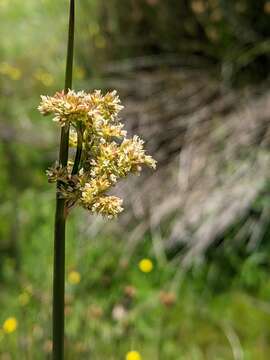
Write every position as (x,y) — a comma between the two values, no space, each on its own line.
(146,265)
(133,355)
(74,277)
(10,325)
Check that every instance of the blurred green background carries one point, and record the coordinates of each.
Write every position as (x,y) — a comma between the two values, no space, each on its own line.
(214,307)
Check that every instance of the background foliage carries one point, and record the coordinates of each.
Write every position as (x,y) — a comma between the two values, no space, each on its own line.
(219,308)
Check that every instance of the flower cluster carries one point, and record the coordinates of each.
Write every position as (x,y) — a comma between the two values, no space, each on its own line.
(103,152)
(92,109)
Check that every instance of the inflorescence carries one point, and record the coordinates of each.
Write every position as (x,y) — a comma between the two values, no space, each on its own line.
(103,152)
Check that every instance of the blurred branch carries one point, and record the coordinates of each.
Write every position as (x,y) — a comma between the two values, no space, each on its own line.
(154,62)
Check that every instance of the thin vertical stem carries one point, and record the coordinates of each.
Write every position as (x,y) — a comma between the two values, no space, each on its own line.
(60,217)
(78,155)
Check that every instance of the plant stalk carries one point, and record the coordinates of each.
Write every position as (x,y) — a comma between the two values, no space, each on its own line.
(78,155)
(60,216)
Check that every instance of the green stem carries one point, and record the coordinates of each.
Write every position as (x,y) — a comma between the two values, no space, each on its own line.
(78,152)
(60,217)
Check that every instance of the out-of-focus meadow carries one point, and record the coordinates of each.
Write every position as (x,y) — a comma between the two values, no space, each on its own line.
(184,272)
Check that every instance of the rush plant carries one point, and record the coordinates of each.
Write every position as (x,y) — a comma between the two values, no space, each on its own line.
(89,122)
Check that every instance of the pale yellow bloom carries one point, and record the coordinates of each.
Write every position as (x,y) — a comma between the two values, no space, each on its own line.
(80,107)
(133,355)
(10,325)
(106,155)
(74,277)
(109,206)
(146,265)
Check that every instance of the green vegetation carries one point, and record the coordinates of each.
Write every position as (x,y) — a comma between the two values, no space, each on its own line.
(113,306)
(217,310)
